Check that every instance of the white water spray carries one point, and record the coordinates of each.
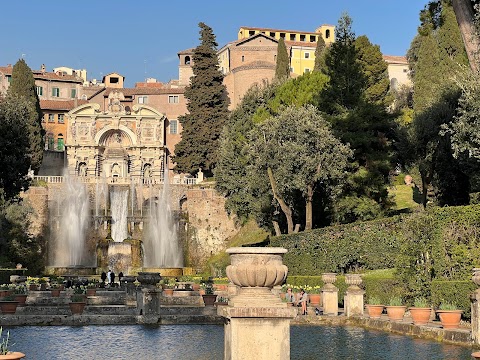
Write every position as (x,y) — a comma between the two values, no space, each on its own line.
(119,209)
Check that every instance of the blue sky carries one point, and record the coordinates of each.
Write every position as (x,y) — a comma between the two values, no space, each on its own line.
(141,38)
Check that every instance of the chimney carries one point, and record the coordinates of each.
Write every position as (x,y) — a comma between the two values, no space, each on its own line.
(42,68)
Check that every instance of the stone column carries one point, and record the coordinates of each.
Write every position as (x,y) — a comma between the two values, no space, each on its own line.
(257,322)
(330,294)
(148,298)
(353,300)
(475,299)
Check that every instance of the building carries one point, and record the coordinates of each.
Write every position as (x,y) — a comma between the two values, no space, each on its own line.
(398,70)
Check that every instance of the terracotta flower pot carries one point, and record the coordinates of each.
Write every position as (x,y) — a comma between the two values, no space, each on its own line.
(167,292)
(375,311)
(209,299)
(476,355)
(314,299)
(21,298)
(91,292)
(12,356)
(55,292)
(420,316)
(8,307)
(396,313)
(450,319)
(77,307)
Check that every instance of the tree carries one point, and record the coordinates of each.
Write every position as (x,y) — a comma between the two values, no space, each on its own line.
(320,54)
(23,86)
(14,145)
(298,153)
(282,69)
(207,110)
(347,82)
(465,15)
(375,70)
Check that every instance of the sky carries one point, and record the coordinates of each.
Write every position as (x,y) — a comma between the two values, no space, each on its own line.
(140,38)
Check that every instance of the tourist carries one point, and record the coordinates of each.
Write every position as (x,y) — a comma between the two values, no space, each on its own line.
(112,277)
(109,277)
(120,277)
(303,301)
(103,277)
(289,296)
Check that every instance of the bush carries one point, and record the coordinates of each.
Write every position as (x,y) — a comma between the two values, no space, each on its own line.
(453,292)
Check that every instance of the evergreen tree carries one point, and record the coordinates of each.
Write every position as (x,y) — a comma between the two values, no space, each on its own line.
(320,54)
(375,70)
(207,110)
(347,81)
(23,86)
(282,70)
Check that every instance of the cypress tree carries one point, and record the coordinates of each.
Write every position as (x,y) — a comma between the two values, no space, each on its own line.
(320,54)
(23,86)
(207,110)
(282,70)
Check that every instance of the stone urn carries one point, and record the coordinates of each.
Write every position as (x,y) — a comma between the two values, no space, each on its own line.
(353,281)
(328,280)
(149,278)
(256,271)
(476,276)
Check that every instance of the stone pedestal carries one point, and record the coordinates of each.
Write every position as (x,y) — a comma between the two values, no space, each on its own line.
(257,322)
(353,301)
(148,305)
(330,294)
(475,300)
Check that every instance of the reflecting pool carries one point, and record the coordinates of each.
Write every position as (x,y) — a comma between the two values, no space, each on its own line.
(188,342)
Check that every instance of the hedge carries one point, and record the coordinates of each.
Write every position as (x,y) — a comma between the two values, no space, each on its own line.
(453,292)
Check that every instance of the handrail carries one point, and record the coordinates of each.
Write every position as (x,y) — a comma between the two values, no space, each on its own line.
(117,180)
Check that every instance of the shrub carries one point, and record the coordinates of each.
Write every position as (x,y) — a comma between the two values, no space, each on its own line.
(395,301)
(454,292)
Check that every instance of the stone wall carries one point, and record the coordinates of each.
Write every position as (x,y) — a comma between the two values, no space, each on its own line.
(209,224)
(37,197)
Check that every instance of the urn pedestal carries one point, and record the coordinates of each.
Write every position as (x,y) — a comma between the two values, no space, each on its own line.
(353,300)
(330,294)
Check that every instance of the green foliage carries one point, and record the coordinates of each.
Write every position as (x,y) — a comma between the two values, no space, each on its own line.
(22,87)
(320,54)
(14,146)
(4,342)
(421,302)
(395,301)
(282,69)
(207,110)
(453,292)
(447,306)
(373,300)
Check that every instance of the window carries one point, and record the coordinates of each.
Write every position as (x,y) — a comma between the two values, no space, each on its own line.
(73,93)
(282,35)
(60,119)
(50,141)
(307,55)
(187,60)
(142,99)
(55,92)
(173,99)
(327,34)
(302,37)
(39,90)
(307,70)
(173,127)
(51,118)
(60,142)
(293,37)
(243,58)
(313,38)
(251,32)
(114,80)
(272,34)
(9,78)
(291,69)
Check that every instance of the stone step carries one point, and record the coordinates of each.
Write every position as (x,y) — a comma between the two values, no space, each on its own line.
(179,301)
(65,310)
(188,310)
(190,319)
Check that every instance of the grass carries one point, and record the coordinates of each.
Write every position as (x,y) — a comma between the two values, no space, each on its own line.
(250,233)
(403,197)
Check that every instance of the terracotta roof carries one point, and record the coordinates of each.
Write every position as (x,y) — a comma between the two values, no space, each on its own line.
(186,51)
(145,91)
(61,104)
(391,59)
(39,75)
(255,65)
(278,30)
(156,85)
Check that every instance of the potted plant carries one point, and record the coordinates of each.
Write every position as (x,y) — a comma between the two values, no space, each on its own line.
(209,297)
(374,307)
(314,294)
(168,286)
(5,353)
(55,290)
(92,288)
(220,284)
(221,300)
(395,309)
(20,293)
(32,283)
(43,283)
(420,311)
(8,304)
(449,315)
(5,290)
(78,300)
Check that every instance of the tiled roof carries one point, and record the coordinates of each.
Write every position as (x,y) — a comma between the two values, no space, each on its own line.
(255,65)
(39,75)
(278,30)
(61,104)
(391,59)
(186,51)
(145,91)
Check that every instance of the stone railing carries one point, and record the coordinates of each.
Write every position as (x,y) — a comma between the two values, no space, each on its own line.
(118,180)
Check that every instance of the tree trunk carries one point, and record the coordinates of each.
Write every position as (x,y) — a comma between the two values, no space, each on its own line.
(308,208)
(297,228)
(276,228)
(424,189)
(286,210)
(464,14)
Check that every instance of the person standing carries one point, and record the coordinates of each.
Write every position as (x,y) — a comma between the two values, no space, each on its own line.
(109,277)
(112,277)
(103,277)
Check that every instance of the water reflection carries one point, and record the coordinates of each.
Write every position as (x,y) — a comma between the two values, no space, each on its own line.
(204,342)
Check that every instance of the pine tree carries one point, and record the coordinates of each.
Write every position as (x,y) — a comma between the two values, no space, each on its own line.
(347,81)
(282,70)
(23,86)
(207,110)
(320,54)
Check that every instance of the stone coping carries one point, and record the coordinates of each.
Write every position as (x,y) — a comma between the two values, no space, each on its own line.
(256,250)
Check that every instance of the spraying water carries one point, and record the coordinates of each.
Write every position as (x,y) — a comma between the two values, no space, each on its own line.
(119,209)
(74,221)
(161,243)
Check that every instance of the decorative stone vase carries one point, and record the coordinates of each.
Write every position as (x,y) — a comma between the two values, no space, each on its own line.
(12,356)
(55,292)
(167,292)
(420,316)
(396,313)
(21,298)
(8,307)
(329,278)
(450,319)
(353,281)
(209,299)
(77,307)
(256,271)
(314,299)
(149,278)
(374,311)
